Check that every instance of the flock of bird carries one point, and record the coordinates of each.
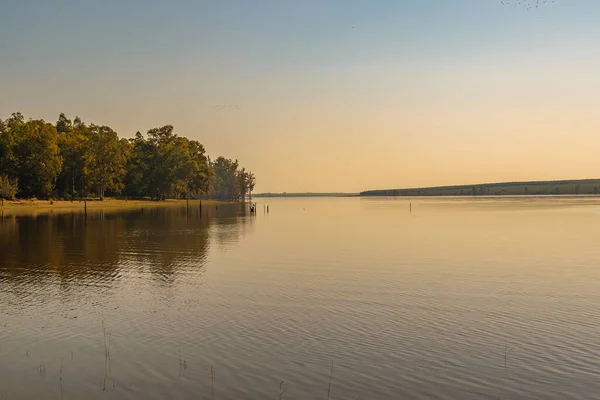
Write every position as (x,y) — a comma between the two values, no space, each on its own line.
(230,106)
(528,4)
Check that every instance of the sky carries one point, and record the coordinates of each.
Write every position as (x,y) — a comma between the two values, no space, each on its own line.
(325,95)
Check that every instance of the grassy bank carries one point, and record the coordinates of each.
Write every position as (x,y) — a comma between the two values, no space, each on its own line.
(29,206)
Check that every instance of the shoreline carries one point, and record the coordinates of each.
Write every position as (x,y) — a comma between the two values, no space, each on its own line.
(31,206)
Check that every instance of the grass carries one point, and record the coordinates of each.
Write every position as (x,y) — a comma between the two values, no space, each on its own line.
(106,356)
(32,206)
(182,364)
(330,378)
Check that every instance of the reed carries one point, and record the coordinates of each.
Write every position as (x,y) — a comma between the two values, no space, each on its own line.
(61,377)
(42,370)
(281,390)
(182,364)
(106,355)
(330,380)
(212,383)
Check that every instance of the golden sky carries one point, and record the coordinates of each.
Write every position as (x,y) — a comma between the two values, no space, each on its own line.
(327,96)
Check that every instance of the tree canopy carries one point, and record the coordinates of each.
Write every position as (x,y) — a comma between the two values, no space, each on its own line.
(72,159)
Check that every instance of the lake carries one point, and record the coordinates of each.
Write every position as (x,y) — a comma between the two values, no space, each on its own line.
(458,298)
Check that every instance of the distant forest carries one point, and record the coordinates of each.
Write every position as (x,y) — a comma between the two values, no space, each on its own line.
(72,159)
(570,187)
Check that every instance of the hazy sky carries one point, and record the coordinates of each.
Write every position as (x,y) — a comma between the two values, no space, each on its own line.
(325,95)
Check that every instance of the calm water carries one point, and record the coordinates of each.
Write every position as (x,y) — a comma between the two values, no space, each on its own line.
(460,299)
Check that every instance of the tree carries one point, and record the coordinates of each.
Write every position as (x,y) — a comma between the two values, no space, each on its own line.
(228,182)
(224,182)
(246,182)
(242,185)
(138,165)
(63,124)
(39,159)
(106,160)
(8,188)
(195,171)
(166,165)
(73,145)
(10,130)
(251,182)
(161,171)
(71,156)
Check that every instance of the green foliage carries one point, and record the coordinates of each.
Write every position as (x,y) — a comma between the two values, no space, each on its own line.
(37,155)
(72,159)
(137,179)
(105,160)
(228,181)
(8,158)
(8,187)
(166,165)
(73,138)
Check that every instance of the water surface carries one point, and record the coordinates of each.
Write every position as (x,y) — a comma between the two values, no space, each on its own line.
(458,299)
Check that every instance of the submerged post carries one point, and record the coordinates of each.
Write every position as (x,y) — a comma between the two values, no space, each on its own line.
(85,207)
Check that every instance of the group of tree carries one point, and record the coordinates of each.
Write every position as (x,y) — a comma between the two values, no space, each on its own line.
(72,159)
(534,188)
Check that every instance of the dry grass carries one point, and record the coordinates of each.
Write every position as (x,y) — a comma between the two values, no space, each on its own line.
(41,206)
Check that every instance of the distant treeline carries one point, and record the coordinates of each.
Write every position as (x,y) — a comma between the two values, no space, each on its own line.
(72,159)
(572,187)
(306,194)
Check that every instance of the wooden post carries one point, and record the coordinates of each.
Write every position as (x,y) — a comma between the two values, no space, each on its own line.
(267,209)
(85,207)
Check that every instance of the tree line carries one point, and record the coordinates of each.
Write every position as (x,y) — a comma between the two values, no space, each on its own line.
(72,159)
(534,188)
